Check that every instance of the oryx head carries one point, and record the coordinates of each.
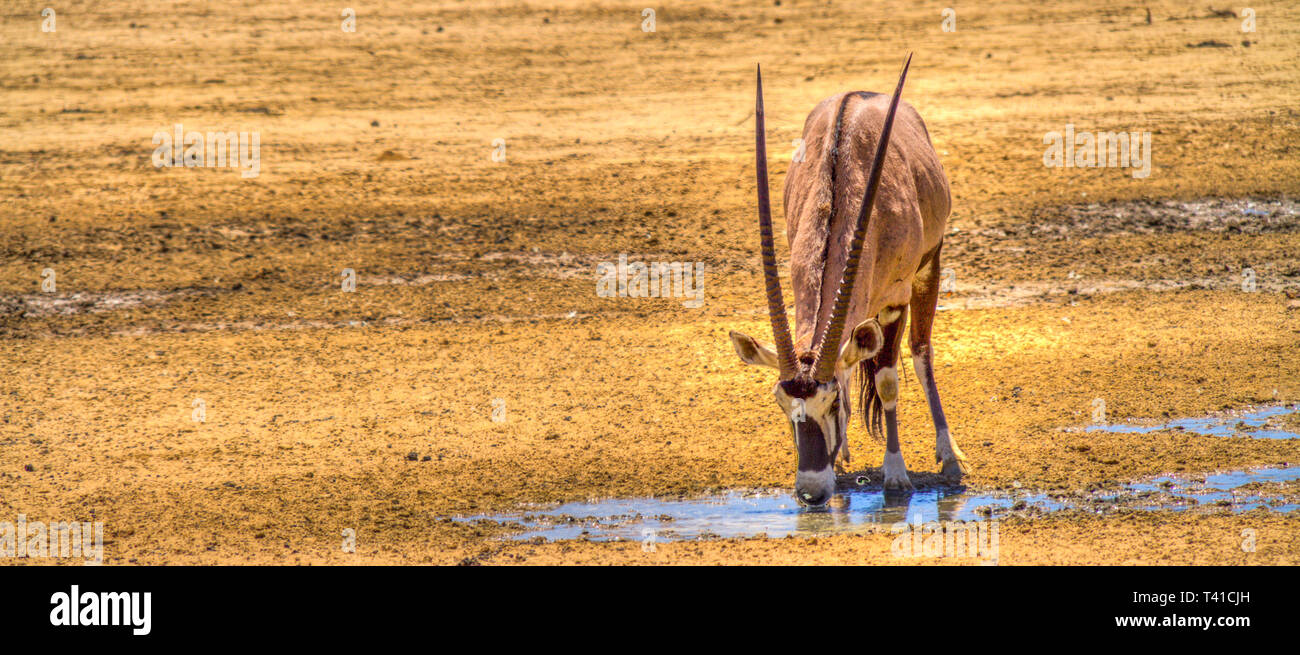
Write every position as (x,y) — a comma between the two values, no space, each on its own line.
(812,387)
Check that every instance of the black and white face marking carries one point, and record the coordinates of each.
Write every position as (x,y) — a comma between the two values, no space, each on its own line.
(818,423)
(818,412)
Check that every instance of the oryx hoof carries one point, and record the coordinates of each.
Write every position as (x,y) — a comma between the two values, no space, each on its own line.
(896,473)
(952,458)
(954,469)
(898,483)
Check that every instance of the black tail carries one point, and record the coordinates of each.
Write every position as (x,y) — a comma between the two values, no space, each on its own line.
(869,400)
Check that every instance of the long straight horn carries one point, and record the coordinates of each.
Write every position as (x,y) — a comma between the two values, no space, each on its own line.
(775,303)
(824,366)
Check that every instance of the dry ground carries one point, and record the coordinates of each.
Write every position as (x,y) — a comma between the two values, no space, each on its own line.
(476,279)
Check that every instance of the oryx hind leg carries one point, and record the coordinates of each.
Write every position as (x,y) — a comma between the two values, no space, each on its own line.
(925,300)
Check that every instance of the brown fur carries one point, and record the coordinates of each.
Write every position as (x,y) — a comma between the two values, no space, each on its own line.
(908,220)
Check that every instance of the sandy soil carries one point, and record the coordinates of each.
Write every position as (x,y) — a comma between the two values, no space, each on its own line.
(476,279)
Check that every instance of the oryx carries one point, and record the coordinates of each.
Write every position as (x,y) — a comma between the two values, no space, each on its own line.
(833,236)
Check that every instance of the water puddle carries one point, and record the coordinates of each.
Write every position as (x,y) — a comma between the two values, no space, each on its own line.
(1266,423)
(866,508)
(1227,489)
(860,506)
(743,513)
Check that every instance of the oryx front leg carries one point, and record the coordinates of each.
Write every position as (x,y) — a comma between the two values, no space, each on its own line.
(895,469)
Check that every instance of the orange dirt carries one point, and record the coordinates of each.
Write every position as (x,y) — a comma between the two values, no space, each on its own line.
(476,279)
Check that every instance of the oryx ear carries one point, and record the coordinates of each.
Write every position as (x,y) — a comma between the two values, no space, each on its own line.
(752,352)
(864,341)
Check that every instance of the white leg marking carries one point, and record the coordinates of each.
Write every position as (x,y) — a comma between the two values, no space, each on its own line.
(922,376)
(943,447)
(887,388)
